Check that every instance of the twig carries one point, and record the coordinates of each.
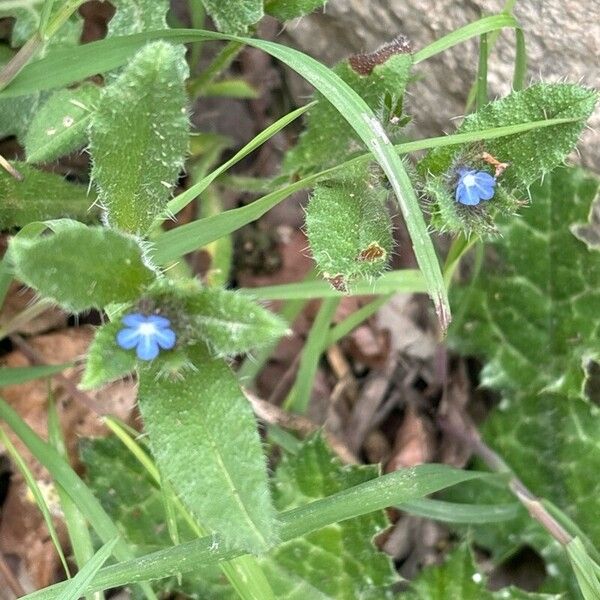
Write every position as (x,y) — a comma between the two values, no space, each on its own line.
(276,416)
(13,582)
(35,358)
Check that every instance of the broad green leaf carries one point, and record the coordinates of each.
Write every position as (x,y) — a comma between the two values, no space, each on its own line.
(458,578)
(203,432)
(349,229)
(41,196)
(380,79)
(60,125)
(139,136)
(106,360)
(534,318)
(16,114)
(234,16)
(135,16)
(228,322)
(529,155)
(336,562)
(284,10)
(82,267)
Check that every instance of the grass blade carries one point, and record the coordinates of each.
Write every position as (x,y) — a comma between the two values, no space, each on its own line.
(37,494)
(406,280)
(482,73)
(452,512)
(77,526)
(520,72)
(63,475)
(77,586)
(585,570)
(387,490)
(17,375)
(299,397)
(477,28)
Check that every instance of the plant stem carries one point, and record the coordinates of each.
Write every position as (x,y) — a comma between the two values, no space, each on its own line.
(24,317)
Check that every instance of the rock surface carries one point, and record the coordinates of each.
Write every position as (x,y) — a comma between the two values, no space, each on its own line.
(562,36)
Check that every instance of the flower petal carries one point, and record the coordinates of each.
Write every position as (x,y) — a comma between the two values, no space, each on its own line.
(133,319)
(467,195)
(159,321)
(165,338)
(128,338)
(147,348)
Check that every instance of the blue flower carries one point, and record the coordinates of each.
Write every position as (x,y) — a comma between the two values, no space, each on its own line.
(147,334)
(474,186)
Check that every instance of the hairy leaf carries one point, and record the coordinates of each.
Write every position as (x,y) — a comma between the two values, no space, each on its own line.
(458,578)
(203,434)
(41,196)
(139,136)
(82,267)
(338,561)
(380,79)
(234,16)
(106,360)
(228,322)
(135,16)
(284,10)
(529,155)
(349,228)
(534,318)
(60,125)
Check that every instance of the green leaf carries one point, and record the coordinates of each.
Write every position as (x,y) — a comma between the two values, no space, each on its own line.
(135,16)
(542,294)
(16,114)
(284,10)
(139,136)
(202,431)
(530,154)
(349,228)
(457,578)
(379,79)
(585,570)
(228,322)
(60,125)
(41,196)
(453,512)
(82,267)
(17,375)
(27,18)
(234,16)
(106,360)
(338,561)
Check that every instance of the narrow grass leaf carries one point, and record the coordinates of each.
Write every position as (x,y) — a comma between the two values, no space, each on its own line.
(455,512)
(17,375)
(77,586)
(37,494)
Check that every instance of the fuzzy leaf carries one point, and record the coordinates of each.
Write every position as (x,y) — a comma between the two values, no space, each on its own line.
(228,322)
(16,114)
(529,154)
(106,360)
(534,318)
(134,502)
(339,561)
(135,16)
(82,267)
(139,136)
(329,139)
(459,578)
(234,16)
(60,125)
(284,10)
(203,434)
(349,229)
(41,196)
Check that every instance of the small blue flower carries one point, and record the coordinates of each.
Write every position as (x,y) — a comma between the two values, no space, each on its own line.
(474,186)
(147,334)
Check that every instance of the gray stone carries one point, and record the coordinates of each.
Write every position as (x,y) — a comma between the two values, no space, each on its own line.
(562,36)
